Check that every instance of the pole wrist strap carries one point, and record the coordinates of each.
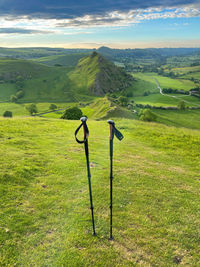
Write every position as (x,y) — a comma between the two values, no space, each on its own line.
(86,133)
(117,133)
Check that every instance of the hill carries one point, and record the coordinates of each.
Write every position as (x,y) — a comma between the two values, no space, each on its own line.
(69,60)
(45,215)
(38,82)
(99,76)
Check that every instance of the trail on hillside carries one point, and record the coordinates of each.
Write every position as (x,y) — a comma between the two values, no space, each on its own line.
(173,96)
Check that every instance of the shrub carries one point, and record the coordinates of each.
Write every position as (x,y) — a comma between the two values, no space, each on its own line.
(123,100)
(53,107)
(20,94)
(147,115)
(13,98)
(181,105)
(7,114)
(72,114)
(32,108)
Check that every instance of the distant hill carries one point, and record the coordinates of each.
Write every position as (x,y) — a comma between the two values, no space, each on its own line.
(69,60)
(99,76)
(147,52)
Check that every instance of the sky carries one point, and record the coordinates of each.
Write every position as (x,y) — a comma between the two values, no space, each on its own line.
(92,24)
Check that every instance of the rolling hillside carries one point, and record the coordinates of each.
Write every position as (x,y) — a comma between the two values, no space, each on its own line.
(38,82)
(45,215)
(69,60)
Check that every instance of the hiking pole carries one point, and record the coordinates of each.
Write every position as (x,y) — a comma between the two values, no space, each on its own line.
(113,132)
(85,141)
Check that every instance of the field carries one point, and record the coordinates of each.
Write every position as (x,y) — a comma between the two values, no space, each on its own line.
(164,100)
(179,118)
(20,109)
(64,60)
(166,82)
(45,215)
(40,83)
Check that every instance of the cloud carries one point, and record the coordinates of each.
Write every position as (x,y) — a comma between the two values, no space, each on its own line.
(21,31)
(117,18)
(62,9)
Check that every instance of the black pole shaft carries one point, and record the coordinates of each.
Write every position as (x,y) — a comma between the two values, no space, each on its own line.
(89,182)
(111,186)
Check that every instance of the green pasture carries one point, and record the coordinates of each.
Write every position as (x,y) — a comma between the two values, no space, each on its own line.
(20,109)
(166,82)
(140,86)
(44,205)
(64,60)
(179,118)
(164,100)
(6,90)
(185,70)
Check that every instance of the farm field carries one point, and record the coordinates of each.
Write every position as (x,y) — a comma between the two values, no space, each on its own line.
(164,100)
(166,82)
(45,215)
(20,109)
(179,118)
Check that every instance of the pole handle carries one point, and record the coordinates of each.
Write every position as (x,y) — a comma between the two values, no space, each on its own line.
(111,132)
(85,131)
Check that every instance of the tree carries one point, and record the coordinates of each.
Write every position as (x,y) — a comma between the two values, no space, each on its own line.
(7,114)
(181,105)
(32,108)
(20,94)
(13,98)
(72,114)
(123,100)
(147,115)
(53,107)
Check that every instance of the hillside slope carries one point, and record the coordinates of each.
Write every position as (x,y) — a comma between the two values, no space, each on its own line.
(38,82)
(69,60)
(99,76)
(45,215)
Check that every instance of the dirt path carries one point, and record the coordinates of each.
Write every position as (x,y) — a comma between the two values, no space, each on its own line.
(173,96)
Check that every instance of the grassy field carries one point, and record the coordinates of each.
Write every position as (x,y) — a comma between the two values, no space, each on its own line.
(40,83)
(141,86)
(164,100)
(44,204)
(20,109)
(64,60)
(179,118)
(185,70)
(166,82)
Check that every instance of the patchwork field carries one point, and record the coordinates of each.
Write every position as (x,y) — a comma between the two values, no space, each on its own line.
(166,82)
(45,215)
(165,100)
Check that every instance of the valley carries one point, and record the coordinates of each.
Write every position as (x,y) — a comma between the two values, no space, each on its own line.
(79,78)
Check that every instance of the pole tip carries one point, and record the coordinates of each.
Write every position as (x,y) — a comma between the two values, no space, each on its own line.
(110,121)
(83,119)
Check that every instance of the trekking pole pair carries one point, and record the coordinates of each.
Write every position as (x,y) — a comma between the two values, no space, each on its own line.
(113,132)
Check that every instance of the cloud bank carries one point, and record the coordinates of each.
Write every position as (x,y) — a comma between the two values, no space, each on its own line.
(62,9)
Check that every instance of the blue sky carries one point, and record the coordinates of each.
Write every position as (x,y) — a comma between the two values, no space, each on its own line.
(91,24)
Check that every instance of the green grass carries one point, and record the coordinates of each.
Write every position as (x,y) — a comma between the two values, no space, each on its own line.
(20,109)
(44,206)
(179,118)
(163,100)
(40,83)
(166,82)
(185,70)
(140,86)
(6,90)
(65,60)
